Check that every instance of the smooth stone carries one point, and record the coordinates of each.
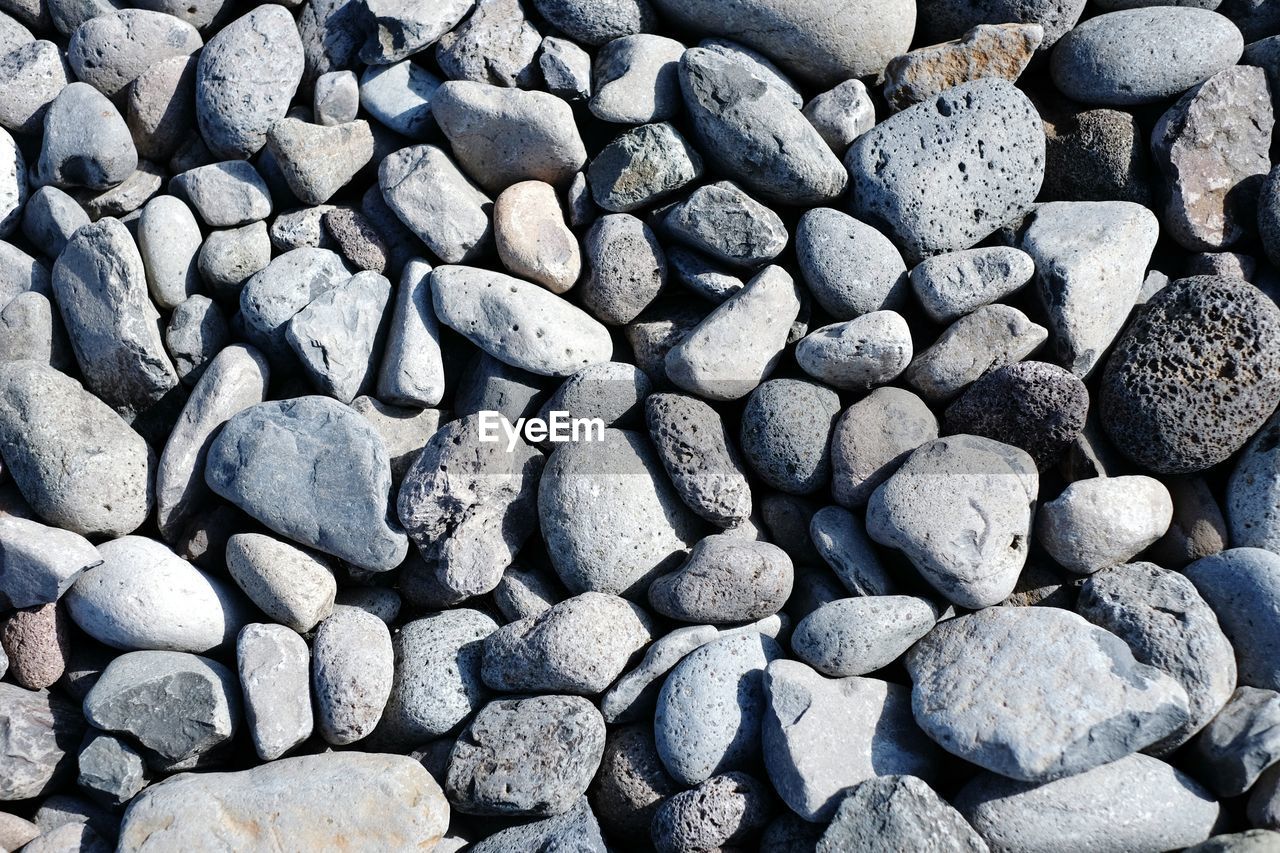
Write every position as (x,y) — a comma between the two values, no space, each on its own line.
(1038,693)
(898,813)
(32,331)
(38,564)
(756,136)
(577,646)
(437,202)
(525,591)
(1198,528)
(489,385)
(318,160)
(20,273)
(160,106)
(177,705)
(76,462)
(273,664)
(576,829)
(386,801)
(631,783)
(809,771)
(1213,150)
(235,379)
(323,448)
(1253,492)
(437,680)
(1239,744)
(381,601)
(726,224)
(610,519)
(39,734)
(613,391)
(703,463)
(13,184)
(842,114)
(338,336)
(228,258)
(942,175)
(532,239)
(725,580)
(858,354)
(124,199)
(526,757)
(1136,803)
(988,51)
(957,283)
(352,672)
(518,323)
(168,241)
(720,811)
(635,80)
(1194,376)
(872,438)
(991,337)
(72,838)
(702,276)
(711,706)
(246,77)
(110,51)
(412,372)
(642,166)
(86,142)
(855,636)
(196,333)
(397,29)
(291,586)
(399,97)
(1104,521)
(840,539)
(634,694)
(1242,585)
(336,99)
(16,831)
(1142,56)
(111,770)
(626,268)
(50,217)
(786,433)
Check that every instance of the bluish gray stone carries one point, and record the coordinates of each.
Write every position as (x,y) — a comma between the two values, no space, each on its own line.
(1242,585)
(272,297)
(412,372)
(86,142)
(274,664)
(352,671)
(399,97)
(38,564)
(438,203)
(110,51)
(338,337)
(855,636)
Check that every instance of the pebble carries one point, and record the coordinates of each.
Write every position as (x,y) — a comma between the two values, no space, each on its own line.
(1193,376)
(1038,407)
(396,30)
(34,332)
(291,586)
(110,51)
(50,218)
(851,268)
(898,812)
(577,646)
(942,175)
(246,77)
(273,664)
(714,815)
(626,268)
(726,579)
(496,45)
(386,801)
(856,355)
(1038,693)
(811,774)
(15,831)
(754,135)
(160,106)
(437,680)
(1095,155)
(635,80)
(34,75)
(613,391)
(1252,508)
(1142,56)
(803,37)
(38,741)
(168,241)
(1242,585)
(111,770)
(842,114)
(1238,745)
(786,434)
(695,449)
(489,308)
(642,166)
(988,51)
(336,99)
(1213,149)
(228,258)
(634,694)
(86,142)
(176,705)
(225,194)
(991,337)
(196,332)
(338,336)
(840,539)
(1104,521)
(1198,528)
(525,592)
(38,564)
(734,348)
(69,839)
(711,706)
(872,438)
(532,239)
(318,160)
(566,68)
(76,462)
(631,783)
(412,372)
(352,670)
(576,829)
(1136,803)
(526,757)
(318,441)
(957,283)
(855,636)
(723,222)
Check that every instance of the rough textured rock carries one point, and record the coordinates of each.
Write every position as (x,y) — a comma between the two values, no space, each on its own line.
(720,811)
(351,674)
(898,813)
(631,783)
(1239,744)
(86,142)
(699,457)
(726,579)
(39,734)
(37,642)
(872,438)
(1242,585)
(626,268)
(855,636)
(1095,155)
(642,166)
(110,51)
(993,50)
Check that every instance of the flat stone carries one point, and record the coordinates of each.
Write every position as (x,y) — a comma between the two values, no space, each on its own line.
(225,194)
(723,222)
(412,372)
(720,811)
(872,438)
(1242,585)
(175,704)
(273,663)
(810,772)
(526,757)
(387,801)
(898,812)
(338,335)
(725,580)
(996,50)
(320,442)
(398,96)
(39,734)
(76,462)
(39,563)
(855,636)
(351,674)
(980,165)
(110,769)
(1104,521)
(642,166)
(532,239)
(1038,693)
(699,457)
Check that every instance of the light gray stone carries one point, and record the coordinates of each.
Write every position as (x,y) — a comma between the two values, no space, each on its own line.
(898,813)
(291,586)
(161,106)
(842,114)
(1253,492)
(1104,521)
(635,80)
(31,330)
(196,333)
(566,68)
(111,770)
(273,663)
(398,96)
(436,202)
(957,283)
(50,217)
(992,336)
(855,636)
(336,99)
(840,538)
(352,671)
(397,29)
(635,694)
(858,354)
(38,564)
(168,241)
(1242,585)
(229,257)
(496,44)
(39,734)
(722,221)
(725,580)
(850,267)
(33,77)
(338,336)
(110,51)
(224,194)
(412,372)
(318,160)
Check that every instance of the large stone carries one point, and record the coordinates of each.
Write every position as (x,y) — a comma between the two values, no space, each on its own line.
(699,457)
(1038,693)
(397,29)
(377,802)
(438,203)
(323,448)
(872,438)
(352,670)
(727,579)
(1242,585)
(1104,521)
(851,268)
(713,816)
(642,166)
(339,336)
(110,51)
(86,142)
(855,636)
(39,563)
(39,734)
(898,813)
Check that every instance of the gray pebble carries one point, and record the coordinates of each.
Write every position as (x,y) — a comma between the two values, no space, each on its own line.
(810,772)
(525,592)
(399,97)
(726,579)
(110,51)
(941,20)
(75,460)
(176,705)
(38,741)
(754,135)
(613,391)
(854,636)
(160,106)
(1141,56)
(859,354)
(1252,506)
(168,241)
(872,438)
(437,676)
(32,77)
(225,194)
(642,166)
(1104,521)
(318,160)
(338,336)
(979,166)
(898,813)
(725,223)
(403,430)
(111,770)
(850,267)
(1240,743)
(626,268)
(196,332)
(246,77)
(496,44)
(86,142)
(840,538)
(73,838)
(786,433)
(705,278)
(32,330)
(412,372)
(714,815)
(19,273)
(284,287)
(576,829)
(699,457)
(957,283)
(301,228)
(842,114)
(291,586)
(566,68)
(38,564)
(1038,693)
(991,337)
(274,663)
(526,757)
(227,258)
(397,29)
(50,217)
(320,442)
(336,99)
(1242,585)
(436,201)
(352,672)
(594,23)
(631,783)
(636,80)
(634,695)
(124,199)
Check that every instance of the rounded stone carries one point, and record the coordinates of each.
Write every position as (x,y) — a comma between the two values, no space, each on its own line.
(86,142)
(532,239)
(872,438)
(717,813)
(110,51)
(851,268)
(855,636)
(352,672)
(291,586)
(631,784)
(1104,521)
(726,579)
(859,354)
(37,642)
(941,20)
(786,434)
(699,457)
(595,22)
(1242,585)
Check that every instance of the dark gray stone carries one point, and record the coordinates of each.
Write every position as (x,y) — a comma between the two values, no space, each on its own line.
(898,813)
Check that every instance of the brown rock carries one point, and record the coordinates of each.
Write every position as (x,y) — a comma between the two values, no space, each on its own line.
(532,239)
(987,50)
(38,643)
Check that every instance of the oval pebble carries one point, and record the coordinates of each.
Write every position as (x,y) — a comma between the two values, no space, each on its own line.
(854,636)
